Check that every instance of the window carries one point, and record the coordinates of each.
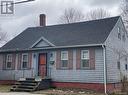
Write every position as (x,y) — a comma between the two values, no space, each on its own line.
(24,61)
(84,58)
(9,61)
(64,58)
(119,33)
(126,67)
(118,65)
(123,36)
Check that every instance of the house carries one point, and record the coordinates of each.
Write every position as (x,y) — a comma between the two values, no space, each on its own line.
(90,54)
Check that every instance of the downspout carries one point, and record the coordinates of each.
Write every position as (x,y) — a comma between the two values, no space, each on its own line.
(105,69)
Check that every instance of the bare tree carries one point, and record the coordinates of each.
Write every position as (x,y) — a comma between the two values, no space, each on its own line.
(98,13)
(71,15)
(124,14)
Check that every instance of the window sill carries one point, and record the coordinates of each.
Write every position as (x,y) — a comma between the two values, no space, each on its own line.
(64,68)
(87,68)
(8,69)
(25,69)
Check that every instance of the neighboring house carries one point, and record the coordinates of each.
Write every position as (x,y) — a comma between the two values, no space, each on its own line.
(90,55)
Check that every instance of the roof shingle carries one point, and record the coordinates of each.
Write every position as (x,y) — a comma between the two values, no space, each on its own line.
(81,33)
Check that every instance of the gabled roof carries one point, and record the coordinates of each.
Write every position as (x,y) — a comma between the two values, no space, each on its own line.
(42,42)
(81,33)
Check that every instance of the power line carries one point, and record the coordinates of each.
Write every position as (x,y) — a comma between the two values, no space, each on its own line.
(17,2)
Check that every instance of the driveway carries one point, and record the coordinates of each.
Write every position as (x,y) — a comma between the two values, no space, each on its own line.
(18,93)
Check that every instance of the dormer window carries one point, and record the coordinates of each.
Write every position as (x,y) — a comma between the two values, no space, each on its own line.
(119,33)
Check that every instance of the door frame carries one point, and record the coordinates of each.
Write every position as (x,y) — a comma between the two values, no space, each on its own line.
(39,63)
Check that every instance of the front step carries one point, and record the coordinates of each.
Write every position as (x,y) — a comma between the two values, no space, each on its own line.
(31,84)
(27,85)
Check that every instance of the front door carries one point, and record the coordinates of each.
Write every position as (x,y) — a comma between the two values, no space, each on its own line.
(42,65)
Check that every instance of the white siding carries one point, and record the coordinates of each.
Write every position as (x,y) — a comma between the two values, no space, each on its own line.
(86,76)
(15,74)
(1,61)
(113,46)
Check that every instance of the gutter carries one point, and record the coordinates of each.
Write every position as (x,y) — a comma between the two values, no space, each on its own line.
(105,70)
(53,47)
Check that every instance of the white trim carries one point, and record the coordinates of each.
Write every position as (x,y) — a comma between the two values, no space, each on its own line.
(42,38)
(56,47)
(8,61)
(82,54)
(22,60)
(81,58)
(66,55)
(64,59)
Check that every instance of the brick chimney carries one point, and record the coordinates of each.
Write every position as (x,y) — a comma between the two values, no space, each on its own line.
(42,20)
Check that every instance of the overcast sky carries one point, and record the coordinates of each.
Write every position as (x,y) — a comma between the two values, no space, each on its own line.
(27,14)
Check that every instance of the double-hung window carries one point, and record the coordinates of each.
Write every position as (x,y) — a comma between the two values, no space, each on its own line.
(84,58)
(64,59)
(119,33)
(24,61)
(9,61)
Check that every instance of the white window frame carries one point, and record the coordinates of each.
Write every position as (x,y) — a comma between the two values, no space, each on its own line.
(82,54)
(23,61)
(64,59)
(84,57)
(62,56)
(9,60)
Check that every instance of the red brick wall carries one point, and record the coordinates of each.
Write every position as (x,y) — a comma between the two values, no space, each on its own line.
(99,87)
(7,82)
(90,86)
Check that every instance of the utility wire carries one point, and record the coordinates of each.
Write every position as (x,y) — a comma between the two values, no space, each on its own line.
(17,2)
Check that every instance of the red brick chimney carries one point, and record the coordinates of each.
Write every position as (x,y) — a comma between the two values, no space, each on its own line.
(42,20)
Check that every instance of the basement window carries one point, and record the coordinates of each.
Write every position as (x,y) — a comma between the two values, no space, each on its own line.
(24,61)
(9,61)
